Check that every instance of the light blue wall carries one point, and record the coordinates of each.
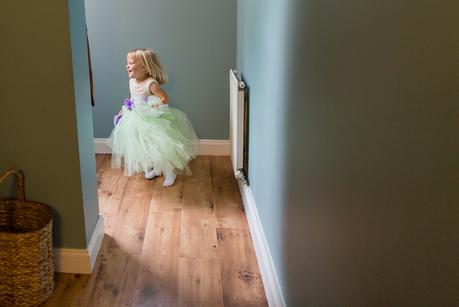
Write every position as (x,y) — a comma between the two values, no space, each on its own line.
(353,147)
(262,40)
(84,115)
(196,43)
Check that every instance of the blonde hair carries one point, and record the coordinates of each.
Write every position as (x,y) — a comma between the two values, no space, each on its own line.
(148,59)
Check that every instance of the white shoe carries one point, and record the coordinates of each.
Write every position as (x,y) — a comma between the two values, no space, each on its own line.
(151,174)
(170,179)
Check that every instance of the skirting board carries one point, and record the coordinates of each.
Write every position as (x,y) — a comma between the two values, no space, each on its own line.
(268,273)
(80,261)
(205,147)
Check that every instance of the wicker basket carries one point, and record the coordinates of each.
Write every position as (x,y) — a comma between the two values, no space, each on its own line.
(26,249)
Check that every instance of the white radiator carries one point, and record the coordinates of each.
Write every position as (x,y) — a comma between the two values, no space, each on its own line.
(237,123)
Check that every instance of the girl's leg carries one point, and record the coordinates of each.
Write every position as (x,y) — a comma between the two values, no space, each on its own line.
(169,179)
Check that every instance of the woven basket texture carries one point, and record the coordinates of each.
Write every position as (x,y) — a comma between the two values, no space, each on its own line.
(26,249)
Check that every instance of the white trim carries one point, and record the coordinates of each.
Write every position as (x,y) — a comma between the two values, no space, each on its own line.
(71,260)
(95,243)
(80,261)
(100,147)
(214,148)
(268,273)
(205,147)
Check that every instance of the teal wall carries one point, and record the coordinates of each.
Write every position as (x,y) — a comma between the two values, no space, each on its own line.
(196,43)
(84,115)
(353,147)
(262,46)
(43,111)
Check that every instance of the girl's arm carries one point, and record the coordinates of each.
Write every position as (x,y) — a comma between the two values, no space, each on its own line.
(156,90)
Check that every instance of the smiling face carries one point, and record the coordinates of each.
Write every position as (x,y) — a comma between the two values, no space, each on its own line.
(135,69)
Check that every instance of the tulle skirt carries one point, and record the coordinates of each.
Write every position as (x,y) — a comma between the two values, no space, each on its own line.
(146,137)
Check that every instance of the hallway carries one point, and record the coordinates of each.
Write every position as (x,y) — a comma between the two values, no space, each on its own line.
(188,245)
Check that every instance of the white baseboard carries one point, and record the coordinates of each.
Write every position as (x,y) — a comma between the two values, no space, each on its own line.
(205,147)
(100,147)
(80,261)
(71,260)
(214,148)
(95,243)
(268,273)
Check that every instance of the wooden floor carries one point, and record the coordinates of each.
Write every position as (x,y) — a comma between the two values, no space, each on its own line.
(187,245)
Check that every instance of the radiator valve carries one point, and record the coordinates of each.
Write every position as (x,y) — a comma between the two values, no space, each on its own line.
(240,176)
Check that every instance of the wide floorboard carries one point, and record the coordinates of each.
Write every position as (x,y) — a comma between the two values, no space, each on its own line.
(187,245)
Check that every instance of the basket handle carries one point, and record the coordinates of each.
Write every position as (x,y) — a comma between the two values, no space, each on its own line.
(19,182)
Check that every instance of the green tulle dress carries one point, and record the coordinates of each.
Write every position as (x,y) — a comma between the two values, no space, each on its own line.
(150,135)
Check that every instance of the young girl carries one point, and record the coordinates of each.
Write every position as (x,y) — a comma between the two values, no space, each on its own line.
(149,136)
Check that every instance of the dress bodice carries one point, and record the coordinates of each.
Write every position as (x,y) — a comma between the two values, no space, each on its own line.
(140,92)
(141,88)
